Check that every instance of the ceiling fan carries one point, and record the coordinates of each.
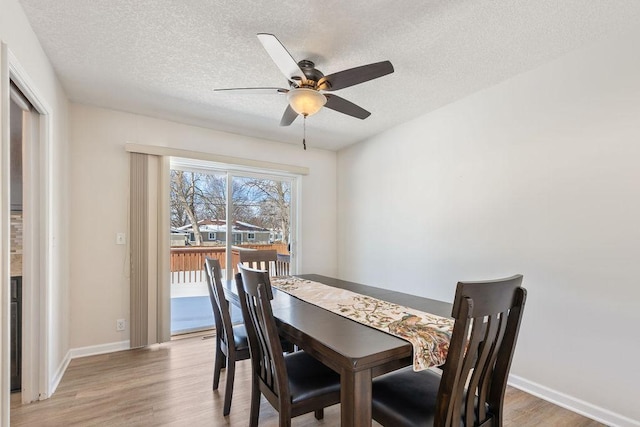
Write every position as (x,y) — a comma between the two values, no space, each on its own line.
(307,85)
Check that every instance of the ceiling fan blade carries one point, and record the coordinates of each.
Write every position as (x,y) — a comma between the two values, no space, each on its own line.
(288,117)
(255,90)
(341,105)
(282,58)
(354,76)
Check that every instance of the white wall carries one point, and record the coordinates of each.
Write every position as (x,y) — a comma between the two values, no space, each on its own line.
(99,196)
(538,175)
(28,56)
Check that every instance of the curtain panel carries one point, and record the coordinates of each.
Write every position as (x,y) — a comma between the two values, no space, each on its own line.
(150,315)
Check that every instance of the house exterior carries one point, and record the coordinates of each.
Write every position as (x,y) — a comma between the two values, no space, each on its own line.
(178,238)
(214,231)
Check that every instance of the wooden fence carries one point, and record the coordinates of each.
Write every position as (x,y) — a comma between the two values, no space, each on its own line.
(187,263)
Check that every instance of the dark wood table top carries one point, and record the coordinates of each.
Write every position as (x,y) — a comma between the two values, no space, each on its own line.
(347,344)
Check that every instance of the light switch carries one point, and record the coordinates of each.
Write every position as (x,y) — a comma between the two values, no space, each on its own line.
(121,239)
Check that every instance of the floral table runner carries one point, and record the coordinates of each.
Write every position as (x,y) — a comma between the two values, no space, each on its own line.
(429,334)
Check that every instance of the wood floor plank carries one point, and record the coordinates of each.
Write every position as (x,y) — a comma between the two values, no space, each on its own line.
(170,385)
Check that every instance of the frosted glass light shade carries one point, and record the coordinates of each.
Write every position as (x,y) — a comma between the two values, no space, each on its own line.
(306,101)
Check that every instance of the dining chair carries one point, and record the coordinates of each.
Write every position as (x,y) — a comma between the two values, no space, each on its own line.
(470,391)
(283,264)
(295,383)
(260,259)
(232,344)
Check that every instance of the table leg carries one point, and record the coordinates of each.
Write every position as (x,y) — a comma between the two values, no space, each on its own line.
(355,398)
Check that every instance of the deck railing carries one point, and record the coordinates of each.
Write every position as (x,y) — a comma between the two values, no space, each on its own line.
(187,263)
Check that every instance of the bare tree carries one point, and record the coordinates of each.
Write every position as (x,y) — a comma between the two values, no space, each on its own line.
(184,199)
(272,201)
(213,194)
(262,202)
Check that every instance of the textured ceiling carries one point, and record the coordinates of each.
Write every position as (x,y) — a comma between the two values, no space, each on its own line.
(163,57)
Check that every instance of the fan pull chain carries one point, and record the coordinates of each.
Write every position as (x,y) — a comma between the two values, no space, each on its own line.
(304,135)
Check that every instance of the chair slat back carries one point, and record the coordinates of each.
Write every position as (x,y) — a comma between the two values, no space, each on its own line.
(260,259)
(283,265)
(254,290)
(487,320)
(221,313)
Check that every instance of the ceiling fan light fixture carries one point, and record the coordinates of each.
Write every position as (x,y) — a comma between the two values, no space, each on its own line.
(306,101)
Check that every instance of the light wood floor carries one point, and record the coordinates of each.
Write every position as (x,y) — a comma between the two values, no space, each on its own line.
(170,384)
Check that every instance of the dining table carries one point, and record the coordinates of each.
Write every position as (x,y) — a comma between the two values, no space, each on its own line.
(356,351)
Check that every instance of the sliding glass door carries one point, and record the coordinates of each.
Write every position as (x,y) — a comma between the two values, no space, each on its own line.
(216,212)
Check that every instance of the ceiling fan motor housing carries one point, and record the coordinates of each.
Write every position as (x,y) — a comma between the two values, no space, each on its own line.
(312,74)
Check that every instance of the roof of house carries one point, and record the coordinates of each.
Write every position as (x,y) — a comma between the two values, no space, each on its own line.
(220,225)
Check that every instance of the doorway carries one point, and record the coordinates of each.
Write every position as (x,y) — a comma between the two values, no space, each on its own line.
(26,216)
(216,211)
(18,107)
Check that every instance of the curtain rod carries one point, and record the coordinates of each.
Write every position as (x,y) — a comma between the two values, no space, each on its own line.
(188,154)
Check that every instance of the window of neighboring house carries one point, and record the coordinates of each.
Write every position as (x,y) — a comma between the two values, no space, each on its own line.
(212,236)
(251,236)
(192,237)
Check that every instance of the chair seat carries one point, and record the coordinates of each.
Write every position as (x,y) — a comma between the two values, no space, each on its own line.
(408,398)
(309,377)
(405,397)
(240,337)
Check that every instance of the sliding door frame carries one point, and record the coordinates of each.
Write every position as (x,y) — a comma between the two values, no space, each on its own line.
(208,162)
(232,171)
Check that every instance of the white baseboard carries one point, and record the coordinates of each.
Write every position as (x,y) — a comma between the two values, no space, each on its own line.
(82,352)
(92,350)
(55,381)
(571,403)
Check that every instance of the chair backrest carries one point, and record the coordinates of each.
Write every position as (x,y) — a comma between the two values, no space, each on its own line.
(283,265)
(259,259)
(267,360)
(487,320)
(221,313)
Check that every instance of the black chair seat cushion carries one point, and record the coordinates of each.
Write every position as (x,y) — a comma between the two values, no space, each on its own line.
(240,337)
(405,397)
(309,377)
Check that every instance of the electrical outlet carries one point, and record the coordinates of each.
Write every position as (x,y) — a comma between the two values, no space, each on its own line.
(120,325)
